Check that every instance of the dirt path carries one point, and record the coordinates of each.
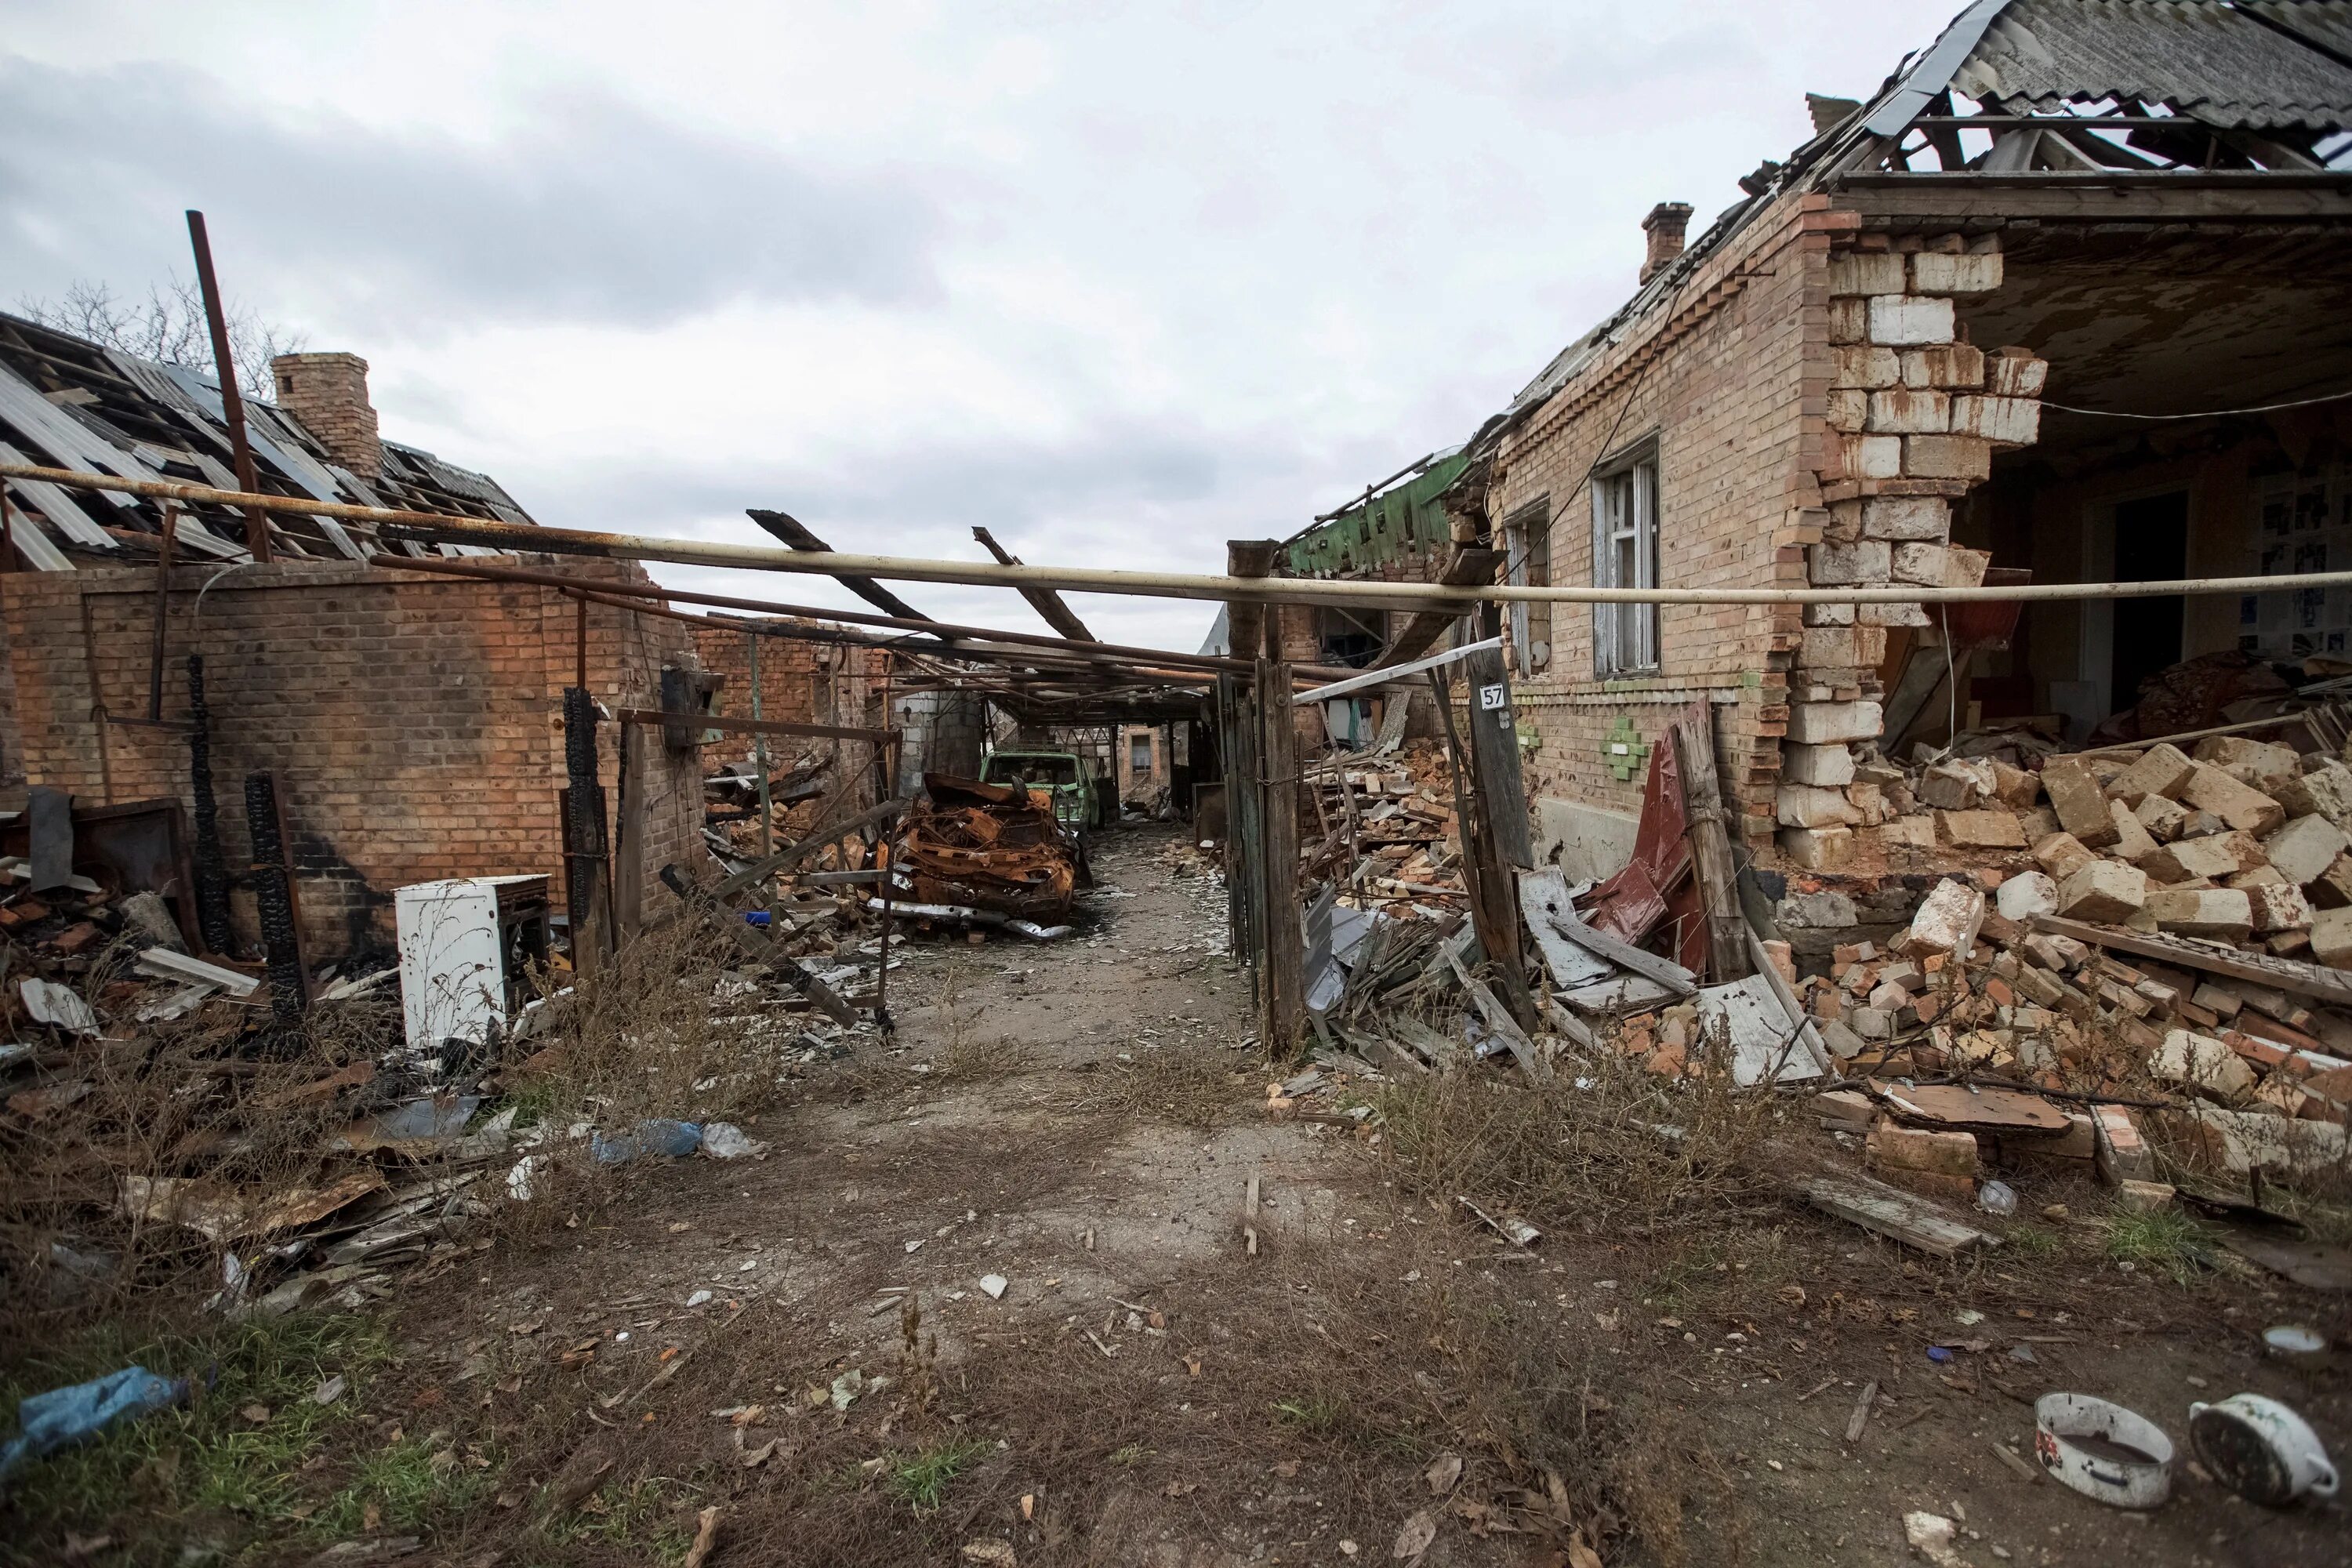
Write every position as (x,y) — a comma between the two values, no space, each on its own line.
(1080,1120)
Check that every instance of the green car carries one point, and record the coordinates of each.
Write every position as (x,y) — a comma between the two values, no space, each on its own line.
(1074,803)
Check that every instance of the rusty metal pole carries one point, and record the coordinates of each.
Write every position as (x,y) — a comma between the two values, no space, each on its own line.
(257,522)
(163,613)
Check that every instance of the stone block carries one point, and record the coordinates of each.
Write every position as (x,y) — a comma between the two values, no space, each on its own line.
(1824,910)
(1864,561)
(1829,614)
(2081,805)
(1910,832)
(1965,568)
(2325,791)
(2160,770)
(1906,520)
(2026,894)
(1912,411)
(1952,366)
(2259,765)
(1830,766)
(1842,647)
(1848,409)
(1867,366)
(2238,803)
(1927,565)
(1872,457)
(1946,457)
(1920,1149)
(2144,1197)
(2161,818)
(2015,372)
(1817,849)
(2278,907)
(1899,320)
(2214,857)
(1871,1023)
(1811,805)
(1820,723)
(2305,847)
(2014,787)
(2103,892)
(2224,914)
(2003,421)
(1944,272)
(1867,272)
(2331,938)
(1956,783)
(2132,841)
(2062,855)
(1849,319)
(2201,1062)
(1947,919)
(1906,615)
(2333,887)
(1991,828)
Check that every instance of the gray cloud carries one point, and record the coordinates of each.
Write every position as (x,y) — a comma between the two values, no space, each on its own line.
(593,210)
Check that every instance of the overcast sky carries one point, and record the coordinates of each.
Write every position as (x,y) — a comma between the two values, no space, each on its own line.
(1120,281)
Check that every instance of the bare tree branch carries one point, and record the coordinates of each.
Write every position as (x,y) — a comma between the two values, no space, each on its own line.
(169,327)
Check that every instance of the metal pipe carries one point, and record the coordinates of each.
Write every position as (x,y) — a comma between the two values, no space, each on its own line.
(437,528)
(256,525)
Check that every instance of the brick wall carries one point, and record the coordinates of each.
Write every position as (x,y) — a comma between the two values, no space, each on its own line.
(414,724)
(800,682)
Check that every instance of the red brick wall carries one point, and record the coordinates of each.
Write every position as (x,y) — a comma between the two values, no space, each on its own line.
(414,724)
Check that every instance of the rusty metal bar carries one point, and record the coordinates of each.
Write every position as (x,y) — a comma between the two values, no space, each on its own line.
(256,520)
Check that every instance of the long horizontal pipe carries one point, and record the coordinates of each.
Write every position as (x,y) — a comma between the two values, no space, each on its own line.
(438,528)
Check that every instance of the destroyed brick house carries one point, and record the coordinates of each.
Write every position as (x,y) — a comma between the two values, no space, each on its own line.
(411,724)
(2032,311)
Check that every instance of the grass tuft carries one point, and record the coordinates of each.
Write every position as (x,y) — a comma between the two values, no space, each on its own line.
(920,1479)
(2165,1240)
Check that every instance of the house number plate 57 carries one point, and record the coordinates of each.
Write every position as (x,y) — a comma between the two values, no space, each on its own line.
(1491,698)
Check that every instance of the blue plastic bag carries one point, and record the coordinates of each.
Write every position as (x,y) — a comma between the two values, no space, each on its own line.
(655,1136)
(66,1416)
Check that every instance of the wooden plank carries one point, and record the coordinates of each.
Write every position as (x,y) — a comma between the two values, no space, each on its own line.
(1495,743)
(872,816)
(1569,1024)
(1710,844)
(759,949)
(1498,1018)
(2280,973)
(1282,951)
(1808,1032)
(1889,1211)
(1491,914)
(1983,1110)
(1570,966)
(630,821)
(1649,965)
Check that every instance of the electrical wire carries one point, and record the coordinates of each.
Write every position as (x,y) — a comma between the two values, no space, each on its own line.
(2205,414)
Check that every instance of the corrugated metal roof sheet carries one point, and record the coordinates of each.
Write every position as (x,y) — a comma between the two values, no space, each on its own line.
(2194,57)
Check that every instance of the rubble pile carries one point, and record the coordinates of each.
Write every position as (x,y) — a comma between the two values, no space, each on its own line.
(1384,832)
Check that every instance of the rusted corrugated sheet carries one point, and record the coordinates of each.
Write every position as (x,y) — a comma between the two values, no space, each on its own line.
(987,847)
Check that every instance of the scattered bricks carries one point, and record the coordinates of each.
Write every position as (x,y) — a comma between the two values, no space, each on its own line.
(2258,764)
(2014,787)
(1820,723)
(2026,895)
(1847,953)
(2332,889)
(1809,805)
(1989,829)
(1906,519)
(1952,366)
(2210,859)
(2225,914)
(1912,411)
(2325,791)
(2217,998)
(1907,976)
(1946,457)
(1947,920)
(1864,561)
(1848,1110)
(2015,372)
(2062,855)
(1865,366)
(1842,646)
(1817,849)
(2037,986)
(2201,1062)
(2081,805)
(1901,319)
(2103,891)
(2132,841)
(1889,998)
(2057,953)
(2203,825)
(2040,821)
(1895,1147)
(1841,1040)
(2160,770)
(74,938)
(1871,1023)
(1832,767)
(2003,421)
(1870,800)
(2305,847)
(2162,819)
(1954,786)
(1867,272)
(2236,803)
(2331,938)
(2143,1198)
(1925,565)
(2123,1154)
(1940,272)
(1910,832)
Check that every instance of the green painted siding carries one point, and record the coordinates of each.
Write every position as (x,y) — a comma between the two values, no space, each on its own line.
(1395,525)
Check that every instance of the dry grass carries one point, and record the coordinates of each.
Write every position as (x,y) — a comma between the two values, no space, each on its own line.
(1198,1087)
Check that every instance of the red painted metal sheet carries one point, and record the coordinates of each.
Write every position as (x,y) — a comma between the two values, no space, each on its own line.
(1656,887)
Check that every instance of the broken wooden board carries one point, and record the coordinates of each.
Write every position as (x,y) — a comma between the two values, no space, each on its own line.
(1541,893)
(1663,970)
(2007,1111)
(1614,998)
(2279,974)
(1889,1211)
(2314,1265)
(1762,1036)
(1498,1018)
(1440,1050)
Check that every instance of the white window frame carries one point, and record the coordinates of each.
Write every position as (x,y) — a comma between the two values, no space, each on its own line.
(1526,546)
(1625,506)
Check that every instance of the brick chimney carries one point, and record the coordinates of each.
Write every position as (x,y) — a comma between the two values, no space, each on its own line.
(1664,226)
(327,393)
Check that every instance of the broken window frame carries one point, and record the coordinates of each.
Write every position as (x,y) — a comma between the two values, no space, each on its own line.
(1526,546)
(1625,507)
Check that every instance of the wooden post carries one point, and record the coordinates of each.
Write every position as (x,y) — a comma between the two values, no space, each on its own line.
(1494,902)
(630,819)
(1710,843)
(1282,951)
(589,892)
(1495,743)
